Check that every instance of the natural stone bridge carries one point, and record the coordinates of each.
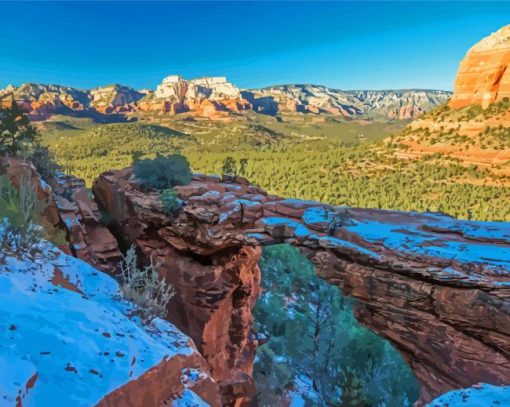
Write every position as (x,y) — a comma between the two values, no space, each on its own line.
(437,288)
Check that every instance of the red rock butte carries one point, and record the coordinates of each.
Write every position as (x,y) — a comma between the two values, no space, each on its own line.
(483,75)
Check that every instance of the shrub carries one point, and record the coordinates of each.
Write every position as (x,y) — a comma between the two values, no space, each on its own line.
(163,172)
(19,233)
(338,220)
(171,201)
(231,168)
(143,287)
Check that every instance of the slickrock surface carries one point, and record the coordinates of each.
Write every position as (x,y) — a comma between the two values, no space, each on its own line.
(483,75)
(437,288)
(68,338)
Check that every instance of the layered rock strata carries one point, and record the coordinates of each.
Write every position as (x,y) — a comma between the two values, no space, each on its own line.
(484,76)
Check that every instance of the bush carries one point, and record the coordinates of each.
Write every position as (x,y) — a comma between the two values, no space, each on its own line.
(338,220)
(143,287)
(163,172)
(19,233)
(231,168)
(171,202)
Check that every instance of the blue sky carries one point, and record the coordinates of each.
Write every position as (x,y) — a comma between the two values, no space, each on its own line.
(347,45)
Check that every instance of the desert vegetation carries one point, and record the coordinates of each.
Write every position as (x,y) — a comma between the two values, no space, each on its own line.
(315,347)
(142,286)
(336,168)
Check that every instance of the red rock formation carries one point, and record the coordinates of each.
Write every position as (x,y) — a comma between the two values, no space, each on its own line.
(215,289)
(21,172)
(405,112)
(184,371)
(89,239)
(164,383)
(66,205)
(484,74)
(443,307)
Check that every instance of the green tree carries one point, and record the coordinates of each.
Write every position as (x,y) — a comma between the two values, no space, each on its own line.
(229,166)
(163,172)
(16,132)
(171,202)
(243,163)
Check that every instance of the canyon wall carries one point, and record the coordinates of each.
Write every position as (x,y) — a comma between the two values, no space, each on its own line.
(483,75)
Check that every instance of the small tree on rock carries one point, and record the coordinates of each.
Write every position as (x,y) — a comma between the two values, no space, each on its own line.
(163,172)
(338,220)
(229,167)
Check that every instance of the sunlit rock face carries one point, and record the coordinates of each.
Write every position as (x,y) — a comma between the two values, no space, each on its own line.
(114,98)
(216,289)
(483,75)
(216,97)
(435,287)
(42,101)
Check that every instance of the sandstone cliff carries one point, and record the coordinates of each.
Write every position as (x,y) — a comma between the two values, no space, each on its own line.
(483,76)
(474,127)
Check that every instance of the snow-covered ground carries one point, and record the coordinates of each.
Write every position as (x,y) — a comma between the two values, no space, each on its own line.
(66,335)
(483,395)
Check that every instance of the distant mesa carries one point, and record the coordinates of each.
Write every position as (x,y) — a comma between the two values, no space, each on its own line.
(484,74)
(216,97)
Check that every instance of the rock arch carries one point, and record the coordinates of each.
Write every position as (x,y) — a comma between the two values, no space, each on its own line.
(437,288)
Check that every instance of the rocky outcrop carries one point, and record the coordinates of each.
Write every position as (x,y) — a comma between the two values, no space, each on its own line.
(216,98)
(89,238)
(114,99)
(215,289)
(21,172)
(437,288)
(42,101)
(49,292)
(67,337)
(65,205)
(484,74)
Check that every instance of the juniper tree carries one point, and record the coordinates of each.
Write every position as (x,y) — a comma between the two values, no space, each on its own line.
(16,132)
